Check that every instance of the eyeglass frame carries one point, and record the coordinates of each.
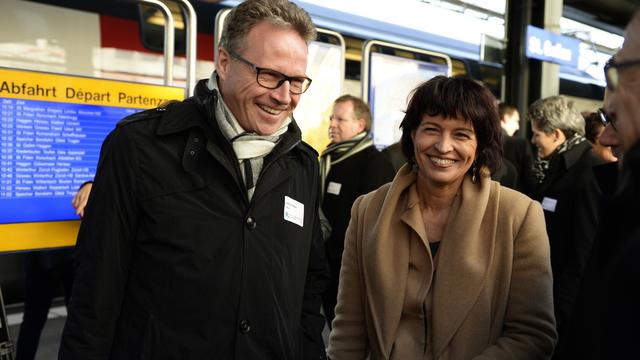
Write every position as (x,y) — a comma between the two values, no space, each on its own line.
(606,119)
(284,77)
(611,66)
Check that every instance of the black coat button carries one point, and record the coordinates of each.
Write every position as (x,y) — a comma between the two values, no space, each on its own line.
(251,223)
(245,326)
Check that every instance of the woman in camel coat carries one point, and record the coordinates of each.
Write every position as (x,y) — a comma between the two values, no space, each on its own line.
(444,263)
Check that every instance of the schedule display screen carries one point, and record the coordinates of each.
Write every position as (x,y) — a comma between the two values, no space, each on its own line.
(51,131)
(48,150)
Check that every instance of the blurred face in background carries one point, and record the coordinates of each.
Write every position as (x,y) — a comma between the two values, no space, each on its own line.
(511,122)
(625,97)
(546,143)
(609,135)
(604,152)
(343,124)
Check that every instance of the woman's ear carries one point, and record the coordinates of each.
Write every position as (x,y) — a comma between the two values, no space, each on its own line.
(558,136)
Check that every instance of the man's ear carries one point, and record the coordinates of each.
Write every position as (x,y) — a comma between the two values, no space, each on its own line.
(222,63)
(362,124)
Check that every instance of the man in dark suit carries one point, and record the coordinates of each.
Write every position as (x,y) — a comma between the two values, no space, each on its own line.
(605,324)
(516,149)
(349,167)
(619,313)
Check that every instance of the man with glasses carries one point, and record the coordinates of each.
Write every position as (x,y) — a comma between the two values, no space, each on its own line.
(201,237)
(620,256)
(607,323)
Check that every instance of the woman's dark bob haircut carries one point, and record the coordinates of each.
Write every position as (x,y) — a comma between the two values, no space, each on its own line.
(462,98)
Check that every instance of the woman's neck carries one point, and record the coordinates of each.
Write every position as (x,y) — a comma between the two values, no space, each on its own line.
(435,196)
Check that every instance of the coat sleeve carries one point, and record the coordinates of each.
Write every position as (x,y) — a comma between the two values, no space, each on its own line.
(584,223)
(103,253)
(312,321)
(529,325)
(348,339)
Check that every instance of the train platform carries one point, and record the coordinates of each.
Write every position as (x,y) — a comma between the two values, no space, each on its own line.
(52,332)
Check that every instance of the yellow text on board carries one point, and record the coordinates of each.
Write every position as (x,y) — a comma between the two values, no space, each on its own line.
(30,85)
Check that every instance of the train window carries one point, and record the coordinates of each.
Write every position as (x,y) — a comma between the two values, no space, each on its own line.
(491,77)
(389,73)
(152,27)
(458,68)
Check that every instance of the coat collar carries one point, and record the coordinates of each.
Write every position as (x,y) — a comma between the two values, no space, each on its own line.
(180,118)
(561,163)
(464,258)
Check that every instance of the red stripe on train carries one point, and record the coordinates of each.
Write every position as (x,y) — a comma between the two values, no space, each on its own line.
(125,34)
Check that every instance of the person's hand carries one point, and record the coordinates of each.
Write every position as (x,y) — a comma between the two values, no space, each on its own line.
(80,200)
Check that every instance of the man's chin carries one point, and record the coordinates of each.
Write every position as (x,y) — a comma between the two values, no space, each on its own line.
(270,127)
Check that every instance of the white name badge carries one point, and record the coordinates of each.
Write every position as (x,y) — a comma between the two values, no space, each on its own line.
(293,211)
(334,188)
(549,204)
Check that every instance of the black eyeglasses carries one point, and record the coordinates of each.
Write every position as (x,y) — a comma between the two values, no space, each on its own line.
(611,72)
(272,79)
(606,119)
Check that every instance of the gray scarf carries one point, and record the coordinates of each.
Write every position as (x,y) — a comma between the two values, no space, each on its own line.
(336,153)
(541,166)
(250,148)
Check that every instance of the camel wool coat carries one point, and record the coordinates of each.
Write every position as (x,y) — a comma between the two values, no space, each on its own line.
(491,296)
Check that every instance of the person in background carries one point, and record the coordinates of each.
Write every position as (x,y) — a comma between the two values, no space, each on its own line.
(509,118)
(579,341)
(201,237)
(394,155)
(516,149)
(350,166)
(593,128)
(568,191)
(80,199)
(444,263)
(46,272)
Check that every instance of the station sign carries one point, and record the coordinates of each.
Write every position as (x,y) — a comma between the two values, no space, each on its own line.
(548,46)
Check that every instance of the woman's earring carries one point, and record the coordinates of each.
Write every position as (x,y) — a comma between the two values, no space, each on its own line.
(474,170)
(415,168)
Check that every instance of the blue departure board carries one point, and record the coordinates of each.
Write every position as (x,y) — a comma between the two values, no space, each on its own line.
(47,150)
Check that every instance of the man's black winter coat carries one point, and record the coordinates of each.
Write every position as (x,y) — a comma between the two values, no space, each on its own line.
(174,261)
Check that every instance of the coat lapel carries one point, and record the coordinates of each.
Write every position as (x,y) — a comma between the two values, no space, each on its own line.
(386,261)
(463,261)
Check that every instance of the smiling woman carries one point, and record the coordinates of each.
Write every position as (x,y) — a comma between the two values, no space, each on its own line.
(439,263)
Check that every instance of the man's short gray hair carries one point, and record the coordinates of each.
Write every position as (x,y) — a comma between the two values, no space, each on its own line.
(556,112)
(278,12)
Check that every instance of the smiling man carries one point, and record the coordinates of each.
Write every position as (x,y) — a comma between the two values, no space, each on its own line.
(201,238)
(351,166)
